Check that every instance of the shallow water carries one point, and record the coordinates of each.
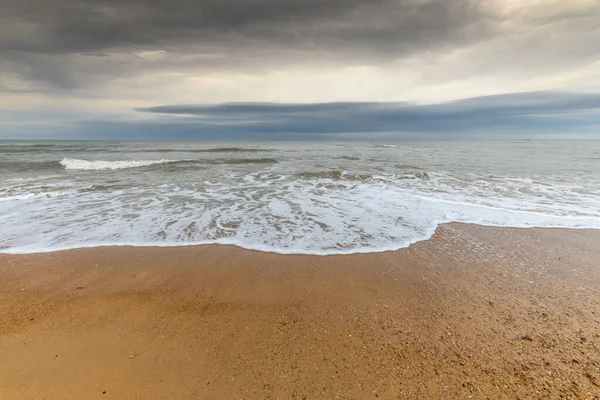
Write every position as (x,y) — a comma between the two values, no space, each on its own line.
(317,198)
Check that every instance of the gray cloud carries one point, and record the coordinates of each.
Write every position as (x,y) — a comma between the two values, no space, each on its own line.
(86,26)
(73,56)
(513,115)
(43,40)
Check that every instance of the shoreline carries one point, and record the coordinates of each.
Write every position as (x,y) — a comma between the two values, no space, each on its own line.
(487,312)
(157,245)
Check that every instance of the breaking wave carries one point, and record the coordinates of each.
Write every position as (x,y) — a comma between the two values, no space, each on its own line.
(75,164)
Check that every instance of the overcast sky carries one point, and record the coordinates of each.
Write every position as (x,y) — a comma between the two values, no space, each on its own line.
(299,69)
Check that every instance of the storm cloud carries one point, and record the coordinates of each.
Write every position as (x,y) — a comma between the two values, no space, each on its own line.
(65,26)
(68,44)
(101,61)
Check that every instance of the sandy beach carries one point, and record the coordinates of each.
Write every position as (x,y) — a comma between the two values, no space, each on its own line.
(475,312)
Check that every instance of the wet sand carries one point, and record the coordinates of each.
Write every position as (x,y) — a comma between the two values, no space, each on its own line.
(475,312)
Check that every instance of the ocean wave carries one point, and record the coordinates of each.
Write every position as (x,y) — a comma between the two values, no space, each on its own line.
(75,164)
(334,175)
(25,191)
(406,166)
(343,175)
(218,161)
(298,199)
(39,195)
(247,161)
(310,221)
(319,212)
(56,148)
(51,148)
(210,150)
(29,165)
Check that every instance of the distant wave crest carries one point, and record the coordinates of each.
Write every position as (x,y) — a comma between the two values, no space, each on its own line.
(211,150)
(75,164)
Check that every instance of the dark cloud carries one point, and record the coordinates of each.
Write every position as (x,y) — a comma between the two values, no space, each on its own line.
(95,54)
(160,50)
(72,26)
(41,38)
(512,115)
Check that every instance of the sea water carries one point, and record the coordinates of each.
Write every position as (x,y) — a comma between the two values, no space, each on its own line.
(304,198)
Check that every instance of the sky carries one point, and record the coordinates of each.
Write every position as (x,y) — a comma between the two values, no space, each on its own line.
(299,69)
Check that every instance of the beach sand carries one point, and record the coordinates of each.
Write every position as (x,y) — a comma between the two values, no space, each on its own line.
(475,312)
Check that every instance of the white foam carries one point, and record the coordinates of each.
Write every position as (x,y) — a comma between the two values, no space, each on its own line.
(75,164)
(310,202)
(292,216)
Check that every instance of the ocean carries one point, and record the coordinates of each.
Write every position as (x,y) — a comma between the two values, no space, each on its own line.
(296,198)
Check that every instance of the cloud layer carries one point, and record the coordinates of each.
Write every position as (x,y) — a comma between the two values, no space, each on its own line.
(542,114)
(86,41)
(90,60)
